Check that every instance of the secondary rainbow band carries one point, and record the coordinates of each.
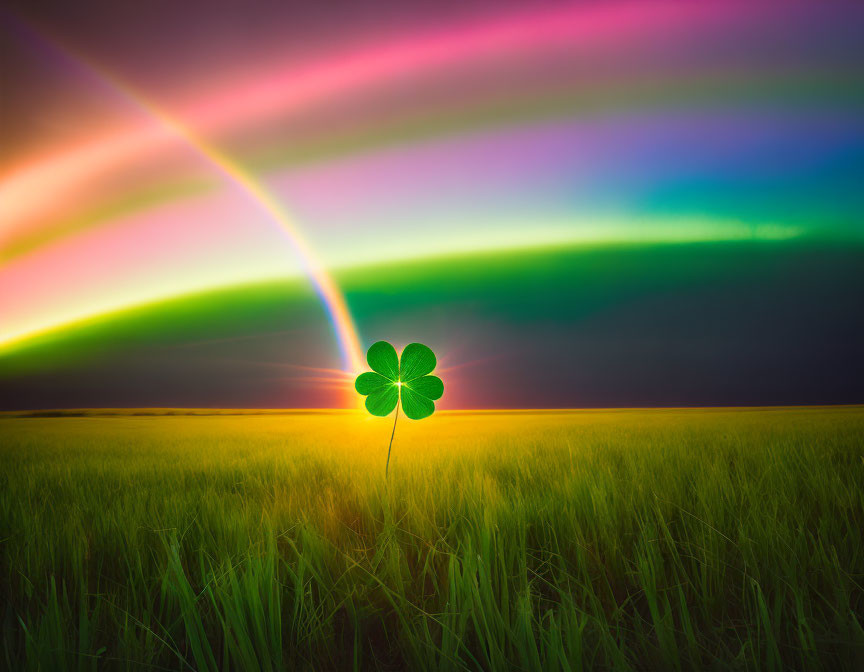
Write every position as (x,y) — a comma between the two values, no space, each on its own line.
(365,69)
(331,296)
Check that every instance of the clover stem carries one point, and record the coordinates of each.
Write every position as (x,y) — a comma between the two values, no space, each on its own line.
(387,468)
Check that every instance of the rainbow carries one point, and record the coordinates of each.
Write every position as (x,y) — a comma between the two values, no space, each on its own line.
(586,123)
(328,291)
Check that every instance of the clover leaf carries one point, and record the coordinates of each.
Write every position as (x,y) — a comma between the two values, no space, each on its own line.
(392,381)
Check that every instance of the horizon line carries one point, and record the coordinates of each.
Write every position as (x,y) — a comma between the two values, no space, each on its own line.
(199,411)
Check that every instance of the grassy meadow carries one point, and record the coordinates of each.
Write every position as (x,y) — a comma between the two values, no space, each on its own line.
(644,540)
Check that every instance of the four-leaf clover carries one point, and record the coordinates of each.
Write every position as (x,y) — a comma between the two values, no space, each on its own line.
(391,382)
(408,380)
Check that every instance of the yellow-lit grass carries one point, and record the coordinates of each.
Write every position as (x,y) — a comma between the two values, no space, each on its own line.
(663,539)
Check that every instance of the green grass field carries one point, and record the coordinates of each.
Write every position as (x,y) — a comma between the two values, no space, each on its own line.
(646,540)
